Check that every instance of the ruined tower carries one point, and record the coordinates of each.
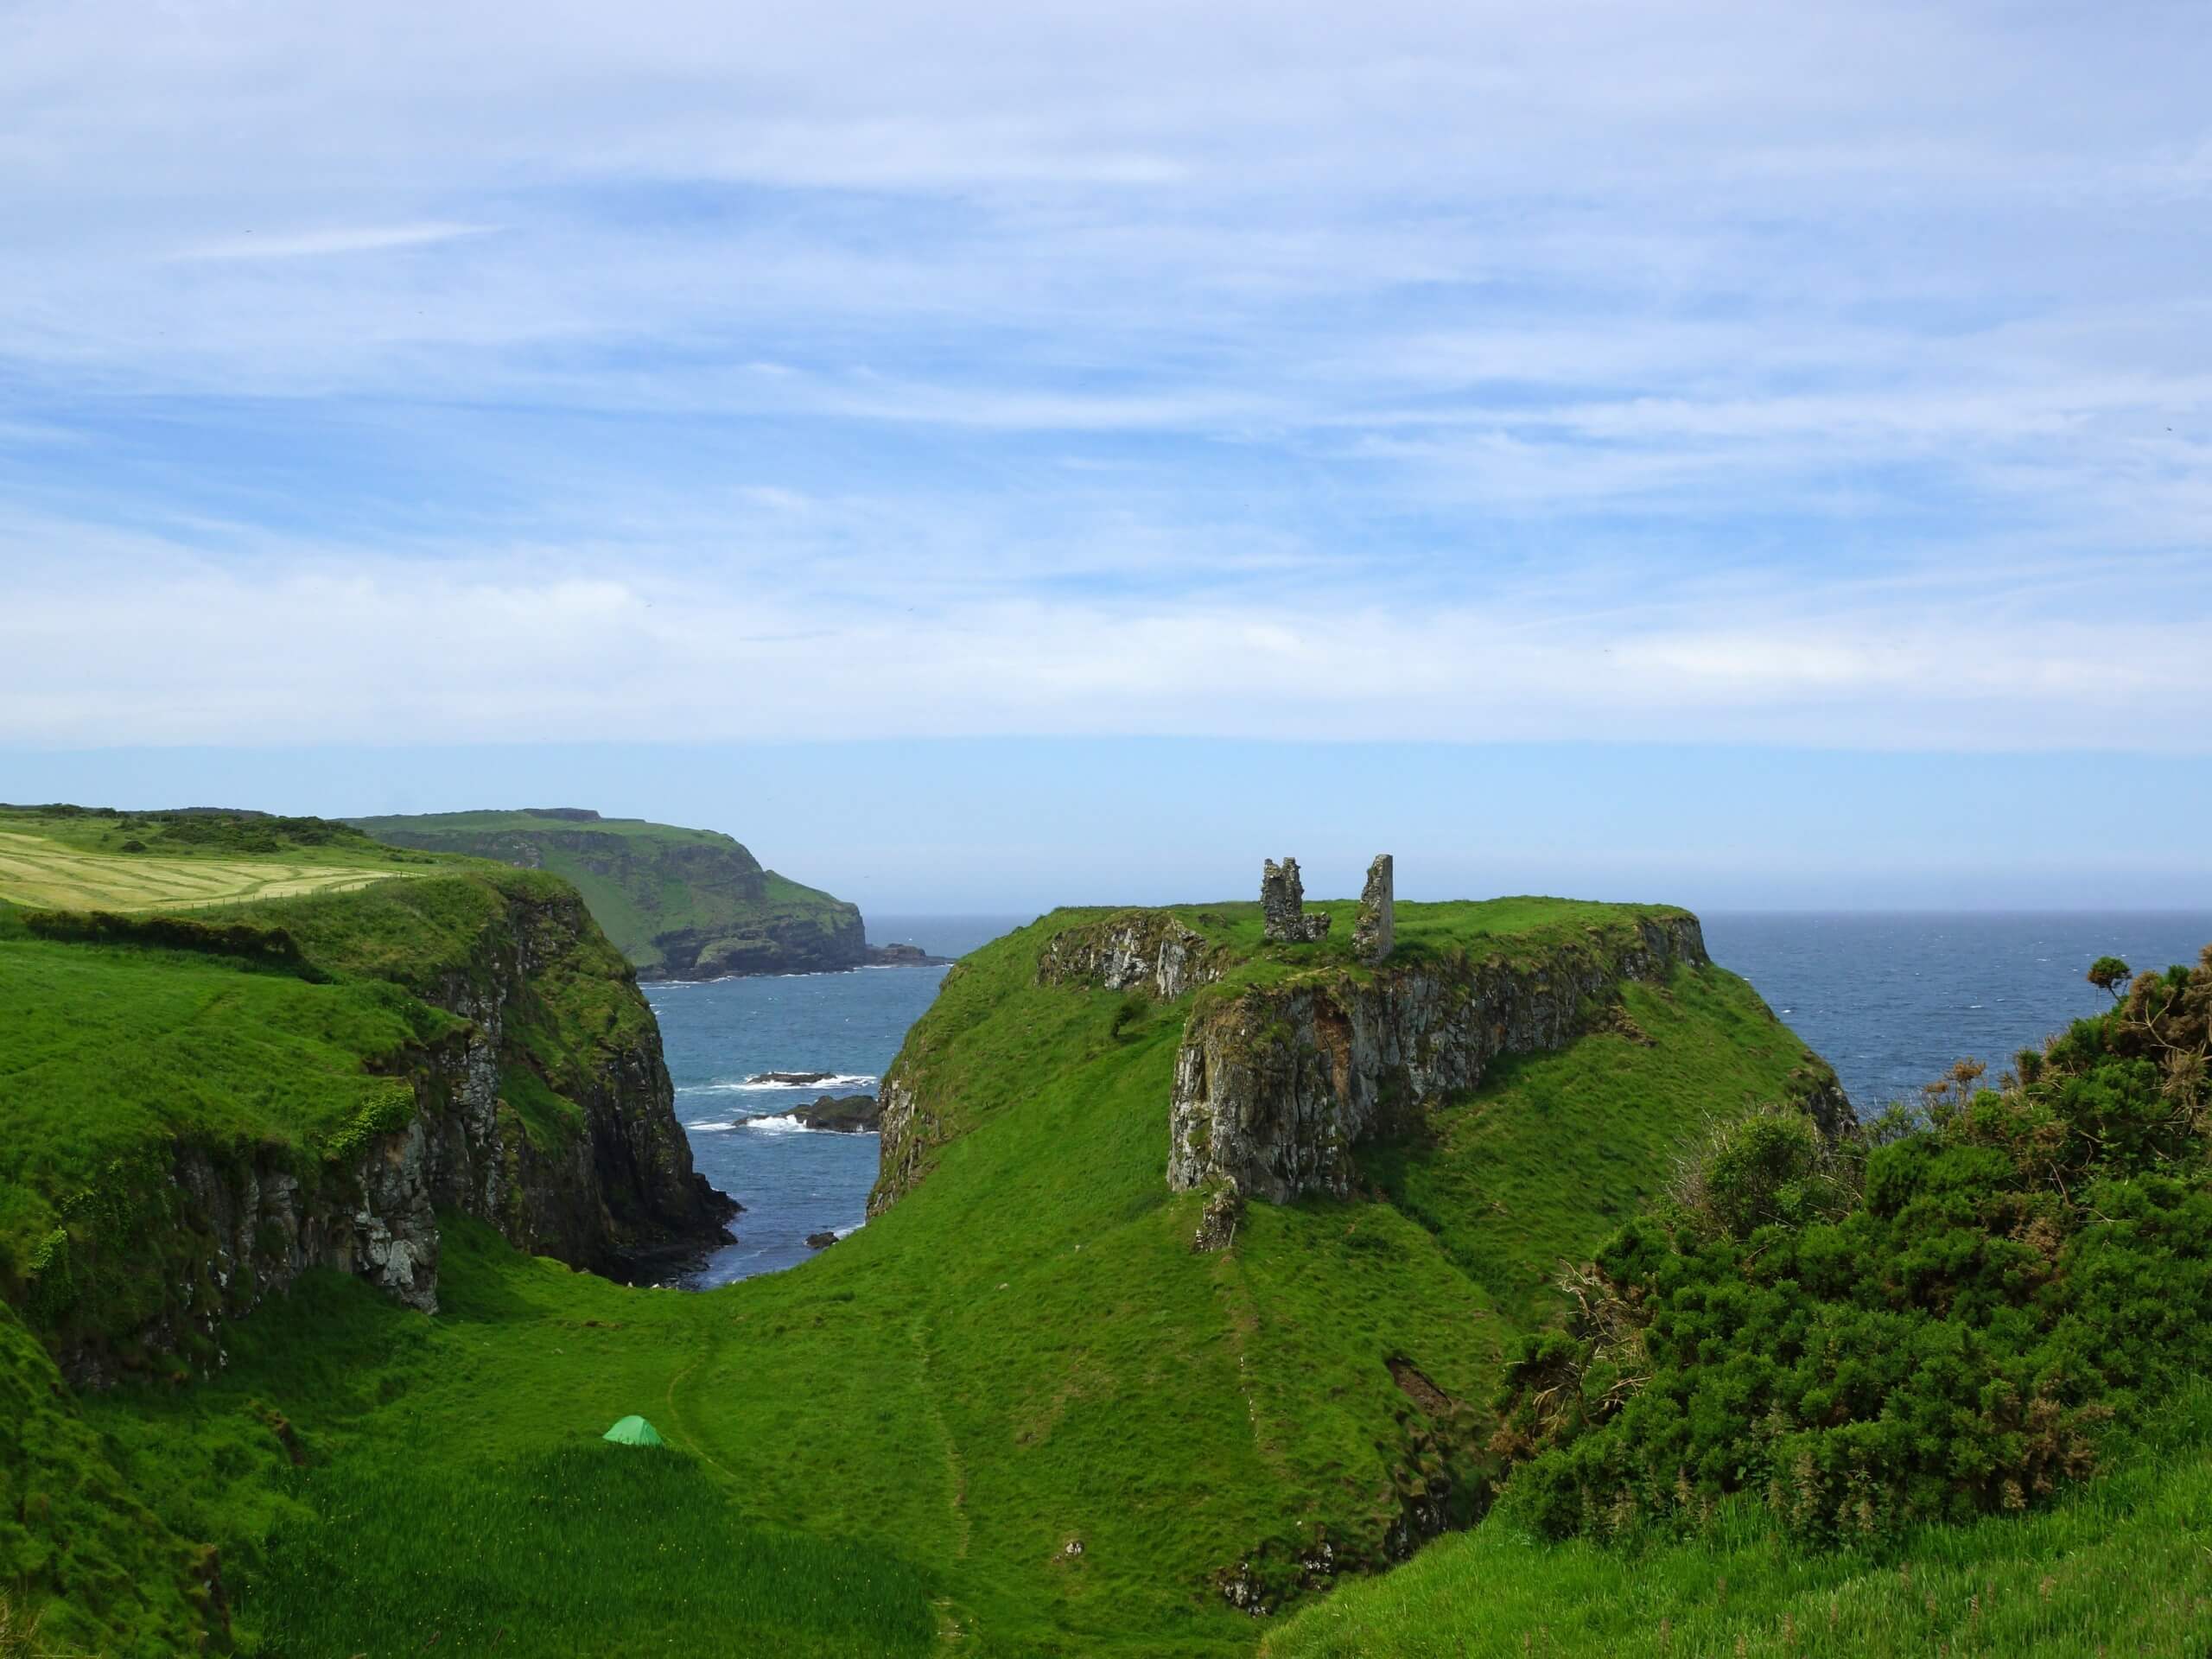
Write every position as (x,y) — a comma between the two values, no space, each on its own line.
(1376,929)
(1282,903)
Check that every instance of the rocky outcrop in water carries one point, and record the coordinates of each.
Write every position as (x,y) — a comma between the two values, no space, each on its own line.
(841,1114)
(1274,1087)
(904,956)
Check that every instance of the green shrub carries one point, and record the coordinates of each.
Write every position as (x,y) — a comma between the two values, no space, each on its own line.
(2020,1267)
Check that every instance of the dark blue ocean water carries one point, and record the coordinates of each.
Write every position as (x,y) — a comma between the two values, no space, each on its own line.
(719,1032)
(1890,1000)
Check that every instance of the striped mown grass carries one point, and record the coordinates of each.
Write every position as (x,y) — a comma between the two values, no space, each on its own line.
(38,873)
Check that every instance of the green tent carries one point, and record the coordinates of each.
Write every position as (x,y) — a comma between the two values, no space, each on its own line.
(632,1430)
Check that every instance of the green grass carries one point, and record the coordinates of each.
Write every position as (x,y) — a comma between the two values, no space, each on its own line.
(116,1055)
(452,1484)
(1509,1179)
(664,894)
(1022,1353)
(109,1056)
(101,1559)
(592,1550)
(1520,929)
(2122,1566)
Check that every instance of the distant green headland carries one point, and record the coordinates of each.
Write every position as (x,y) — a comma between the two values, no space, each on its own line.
(1221,1258)
(680,904)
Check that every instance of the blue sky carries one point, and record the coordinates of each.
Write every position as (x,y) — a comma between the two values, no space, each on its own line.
(1797,422)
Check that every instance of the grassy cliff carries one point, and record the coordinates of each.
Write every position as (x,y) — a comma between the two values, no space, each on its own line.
(1019,1406)
(680,904)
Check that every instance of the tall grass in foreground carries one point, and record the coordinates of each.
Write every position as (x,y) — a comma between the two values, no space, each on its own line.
(2123,1567)
(594,1550)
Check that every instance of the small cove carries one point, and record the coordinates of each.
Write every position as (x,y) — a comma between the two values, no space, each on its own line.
(719,1033)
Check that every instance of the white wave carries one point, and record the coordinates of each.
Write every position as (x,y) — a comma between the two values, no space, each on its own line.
(703,1127)
(781,1126)
(749,1087)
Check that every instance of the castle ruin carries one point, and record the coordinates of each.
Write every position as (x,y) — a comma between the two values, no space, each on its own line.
(1376,929)
(1282,903)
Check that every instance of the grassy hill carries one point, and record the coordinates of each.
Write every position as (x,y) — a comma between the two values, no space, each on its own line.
(680,904)
(1018,1413)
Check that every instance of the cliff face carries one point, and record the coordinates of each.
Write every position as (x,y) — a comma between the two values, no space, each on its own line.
(1275,1087)
(1138,949)
(679,904)
(563,1138)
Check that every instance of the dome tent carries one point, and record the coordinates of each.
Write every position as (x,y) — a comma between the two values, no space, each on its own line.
(633,1431)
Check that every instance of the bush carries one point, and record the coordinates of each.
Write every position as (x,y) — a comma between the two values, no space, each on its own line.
(1946,1334)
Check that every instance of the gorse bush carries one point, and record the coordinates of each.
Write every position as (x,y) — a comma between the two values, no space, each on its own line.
(1938,1324)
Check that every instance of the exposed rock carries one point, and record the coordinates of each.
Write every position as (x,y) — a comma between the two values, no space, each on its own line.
(910,1131)
(1375,932)
(1240,1590)
(1217,1229)
(1282,906)
(1136,949)
(792,1079)
(1273,1089)
(1818,1090)
(904,956)
(820,1241)
(843,1114)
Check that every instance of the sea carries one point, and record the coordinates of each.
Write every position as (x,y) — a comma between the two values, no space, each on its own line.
(1890,1000)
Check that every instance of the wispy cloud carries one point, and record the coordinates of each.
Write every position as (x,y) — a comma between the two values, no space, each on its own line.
(1839,371)
(486,648)
(307,244)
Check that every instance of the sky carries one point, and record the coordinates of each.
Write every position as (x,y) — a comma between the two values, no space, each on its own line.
(1738,453)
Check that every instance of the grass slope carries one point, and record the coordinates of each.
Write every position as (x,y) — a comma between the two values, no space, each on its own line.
(2123,1566)
(1509,1179)
(451,1493)
(675,901)
(1022,1355)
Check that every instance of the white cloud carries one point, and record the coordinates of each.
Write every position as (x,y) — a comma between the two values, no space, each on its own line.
(529,646)
(299,244)
(1494,369)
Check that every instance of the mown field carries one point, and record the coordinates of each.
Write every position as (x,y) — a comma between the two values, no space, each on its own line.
(117,862)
